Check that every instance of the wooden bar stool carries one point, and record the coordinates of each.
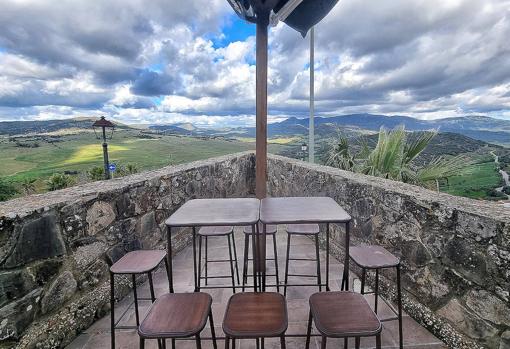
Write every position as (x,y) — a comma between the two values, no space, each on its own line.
(255,315)
(217,231)
(178,315)
(309,230)
(270,231)
(375,258)
(343,314)
(134,263)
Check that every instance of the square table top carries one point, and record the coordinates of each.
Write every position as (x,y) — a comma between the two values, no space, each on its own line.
(213,212)
(289,210)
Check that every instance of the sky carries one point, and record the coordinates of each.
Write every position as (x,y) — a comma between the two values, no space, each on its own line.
(172,61)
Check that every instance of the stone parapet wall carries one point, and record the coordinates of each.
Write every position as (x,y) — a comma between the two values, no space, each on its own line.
(55,247)
(455,251)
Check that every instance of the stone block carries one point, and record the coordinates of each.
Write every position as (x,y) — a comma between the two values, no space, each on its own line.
(16,316)
(99,216)
(504,343)
(488,307)
(60,291)
(14,284)
(39,239)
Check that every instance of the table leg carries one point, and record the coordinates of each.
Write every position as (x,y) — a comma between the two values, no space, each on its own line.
(195,259)
(254,259)
(347,258)
(327,257)
(169,259)
(263,257)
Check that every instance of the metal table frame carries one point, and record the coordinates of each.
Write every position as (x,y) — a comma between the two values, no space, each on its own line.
(286,210)
(214,212)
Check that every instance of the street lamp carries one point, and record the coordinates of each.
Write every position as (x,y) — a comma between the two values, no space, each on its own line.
(100,127)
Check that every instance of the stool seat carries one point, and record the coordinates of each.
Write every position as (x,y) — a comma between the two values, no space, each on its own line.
(176,315)
(303,229)
(270,229)
(343,314)
(216,230)
(373,257)
(256,315)
(138,262)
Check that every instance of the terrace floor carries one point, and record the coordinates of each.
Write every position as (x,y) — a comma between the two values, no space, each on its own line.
(98,335)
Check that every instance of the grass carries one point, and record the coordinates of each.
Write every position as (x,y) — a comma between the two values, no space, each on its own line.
(475,181)
(80,152)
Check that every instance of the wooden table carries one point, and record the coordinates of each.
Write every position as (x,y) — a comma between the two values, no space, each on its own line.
(212,212)
(296,210)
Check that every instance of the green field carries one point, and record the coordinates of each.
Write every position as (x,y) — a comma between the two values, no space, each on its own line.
(475,181)
(80,152)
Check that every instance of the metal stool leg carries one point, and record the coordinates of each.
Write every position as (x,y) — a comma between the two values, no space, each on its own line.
(173,343)
(231,265)
(376,290)
(378,341)
(317,256)
(142,343)
(151,287)
(257,343)
(227,342)
(245,259)
(399,301)
(308,331)
(199,342)
(213,332)
(233,343)
(287,266)
(363,276)
(261,343)
(112,308)
(199,266)
(324,342)
(206,260)
(168,276)
(346,342)
(357,342)
(133,277)
(276,264)
(282,342)
(235,257)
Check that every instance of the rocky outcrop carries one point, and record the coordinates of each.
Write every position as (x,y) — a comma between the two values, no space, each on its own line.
(55,248)
(455,251)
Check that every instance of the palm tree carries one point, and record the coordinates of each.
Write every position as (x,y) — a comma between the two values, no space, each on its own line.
(393,158)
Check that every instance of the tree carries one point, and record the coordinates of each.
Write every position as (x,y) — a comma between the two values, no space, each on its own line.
(7,190)
(28,186)
(59,181)
(393,157)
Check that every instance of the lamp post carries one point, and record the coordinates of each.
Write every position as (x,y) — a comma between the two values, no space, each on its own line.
(102,124)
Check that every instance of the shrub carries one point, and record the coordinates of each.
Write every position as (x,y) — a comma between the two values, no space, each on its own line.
(96,173)
(7,190)
(59,181)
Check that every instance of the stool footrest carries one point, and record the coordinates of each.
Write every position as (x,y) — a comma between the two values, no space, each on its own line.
(216,277)
(303,275)
(220,261)
(303,259)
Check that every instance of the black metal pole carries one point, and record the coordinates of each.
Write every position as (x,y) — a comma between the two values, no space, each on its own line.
(105,156)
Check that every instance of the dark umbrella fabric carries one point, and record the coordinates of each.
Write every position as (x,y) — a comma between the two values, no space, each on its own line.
(307,14)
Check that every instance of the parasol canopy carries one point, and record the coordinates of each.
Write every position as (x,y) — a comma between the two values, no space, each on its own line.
(307,14)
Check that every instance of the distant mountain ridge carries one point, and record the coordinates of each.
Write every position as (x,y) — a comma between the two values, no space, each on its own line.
(478,127)
(43,126)
(482,128)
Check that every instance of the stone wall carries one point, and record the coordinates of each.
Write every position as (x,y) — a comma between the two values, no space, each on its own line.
(55,247)
(455,251)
